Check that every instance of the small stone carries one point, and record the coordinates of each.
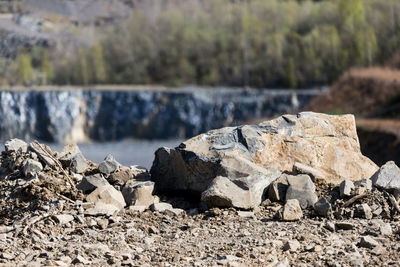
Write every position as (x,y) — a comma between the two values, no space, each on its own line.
(121,176)
(102,223)
(245,214)
(138,193)
(107,194)
(153,230)
(174,212)
(63,218)
(378,250)
(366,183)
(364,211)
(277,189)
(79,164)
(16,145)
(368,242)
(330,226)
(301,188)
(385,229)
(80,259)
(291,245)
(7,256)
(292,210)
(322,207)
(138,208)
(345,188)
(32,167)
(387,177)
(109,165)
(140,173)
(90,183)
(161,207)
(344,225)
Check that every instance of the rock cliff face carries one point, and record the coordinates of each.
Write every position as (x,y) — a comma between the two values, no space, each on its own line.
(80,115)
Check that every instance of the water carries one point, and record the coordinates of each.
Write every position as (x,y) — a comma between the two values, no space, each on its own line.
(126,152)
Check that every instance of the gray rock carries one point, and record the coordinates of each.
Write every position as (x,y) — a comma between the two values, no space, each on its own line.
(109,165)
(108,195)
(385,229)
(366,183)
(63,218)
(278,188)
(363,211)
(121,176)
(291,245)
(16,145)
(32,167)
(68,153)
(138,193)
(79,163)
(90,183)
(292,210)
(322,207)
(344,225)
(301,188)
(161,207)
(345,188)
(140,173)
(387,177)
(368,242)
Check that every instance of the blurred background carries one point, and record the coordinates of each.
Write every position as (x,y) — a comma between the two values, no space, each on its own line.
(128,76)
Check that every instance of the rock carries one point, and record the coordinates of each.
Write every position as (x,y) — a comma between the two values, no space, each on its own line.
(330,226)
(32,167)
(291,245)
(385,229)
(368,242)
(79,164)
(63,218)
(102,209)
(102,223)
(161,207)
(292,210)
(79,259)
(315,174)
(140,173)
(344,225)
(138,193)
(366,183)
(174,212)
(16,145)
(301,188)
(121,176)
(387,177)
(68,153)
(345,188)
(277,189)
(245,214)
(109,165)
(327,143)
(107,194)
(322,207)
(138,208)
(363,211)
(245,193)
(90,183)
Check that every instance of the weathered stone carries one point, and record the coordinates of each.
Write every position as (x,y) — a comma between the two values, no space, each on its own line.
(32,167)
(138,208)
(245,214)
(174,212)
(161,207)
(322,207)
(368,242)
(291,245)
(366,183)
(344,225)
(292,210)
(63,218)
(90,183)
(79,164)
(315,174)
(301,188)
(363,211)
(68,153)
(387,177)
(140,173)
(327,143)
(102,209)
(16,145)
(385,229)
(107,194)
(345,188)
(277,189)
(121,176)
(138,193)
(109,165)
(245,193)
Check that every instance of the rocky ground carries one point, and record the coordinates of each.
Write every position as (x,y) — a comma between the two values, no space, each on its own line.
(59,209)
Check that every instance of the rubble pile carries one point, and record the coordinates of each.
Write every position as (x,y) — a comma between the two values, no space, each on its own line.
(225,204)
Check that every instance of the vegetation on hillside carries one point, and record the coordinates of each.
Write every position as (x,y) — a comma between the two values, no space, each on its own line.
(257,43)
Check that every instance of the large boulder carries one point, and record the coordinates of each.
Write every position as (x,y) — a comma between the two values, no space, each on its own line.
(327,143)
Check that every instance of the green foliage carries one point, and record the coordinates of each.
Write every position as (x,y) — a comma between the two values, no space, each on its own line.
(24,67)
(254,43)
